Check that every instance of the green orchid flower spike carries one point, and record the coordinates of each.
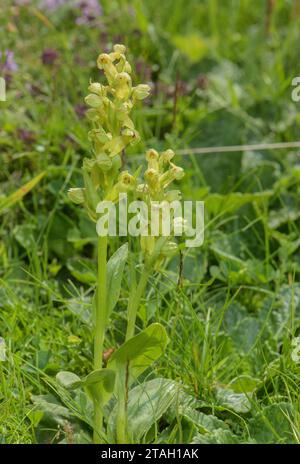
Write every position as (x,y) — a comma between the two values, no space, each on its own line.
(113,130)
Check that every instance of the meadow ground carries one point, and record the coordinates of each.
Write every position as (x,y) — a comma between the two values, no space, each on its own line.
(221,74)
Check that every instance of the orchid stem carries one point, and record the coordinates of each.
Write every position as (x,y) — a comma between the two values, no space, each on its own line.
(100,320)
(134,302)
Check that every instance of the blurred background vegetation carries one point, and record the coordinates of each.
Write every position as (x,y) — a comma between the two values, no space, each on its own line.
(220,73)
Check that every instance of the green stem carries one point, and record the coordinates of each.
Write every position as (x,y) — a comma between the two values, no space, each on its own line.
(137,293)
(100,319)
(122,389)
(134,302)
(135,297)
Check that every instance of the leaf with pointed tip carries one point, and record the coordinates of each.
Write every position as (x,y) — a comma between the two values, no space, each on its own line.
(140,351)
(68,380)
(100,384)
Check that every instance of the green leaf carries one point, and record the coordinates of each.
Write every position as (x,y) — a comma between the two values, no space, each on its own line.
(83,270)
(204,422)
(100,384)
(273,424)
(115,269)
(24,234)
(52,409)
(218,436)
(238,402)
(243,384)
(68,380)
(140,351)
(146,405)
(82,308)
(35,417)
(244,335)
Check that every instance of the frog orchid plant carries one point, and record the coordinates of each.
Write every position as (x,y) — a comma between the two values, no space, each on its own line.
(113,130)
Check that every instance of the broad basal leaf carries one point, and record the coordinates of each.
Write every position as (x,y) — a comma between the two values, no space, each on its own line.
(218,436)
(68,379)
(273,424)
(237,402)
(146,405)
(204,422)
(140,351)
(53,411)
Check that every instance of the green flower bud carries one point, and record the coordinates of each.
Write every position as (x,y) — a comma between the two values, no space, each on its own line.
(126,121)
(120,48)
(99,135)
(93,100)
(126,181)
(76,195)
(142,189)
(152,178)
(122,85)
(104,62)
(104,162)
(174,173)
(92,115)
(127,67)
(141,91)
(152,157)
(97,176)
(87,164)
(97,88)
(166,157)
(177,172)
(115,145)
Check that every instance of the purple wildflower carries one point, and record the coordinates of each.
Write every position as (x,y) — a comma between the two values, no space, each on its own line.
(27,136)
(52,5)
(89,9)
(7,62)
(49,56)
